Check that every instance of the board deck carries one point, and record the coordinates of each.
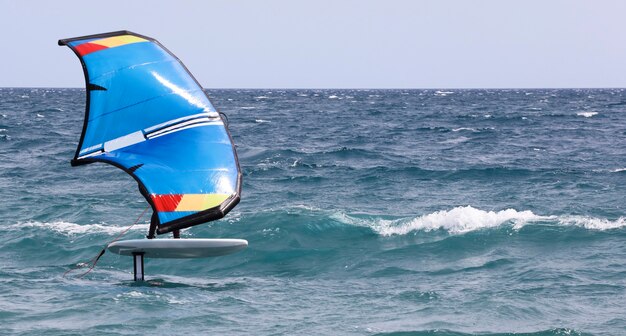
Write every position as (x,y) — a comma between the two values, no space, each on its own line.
(178,248)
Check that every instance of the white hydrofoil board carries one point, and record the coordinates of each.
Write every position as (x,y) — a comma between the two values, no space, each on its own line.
(178,248)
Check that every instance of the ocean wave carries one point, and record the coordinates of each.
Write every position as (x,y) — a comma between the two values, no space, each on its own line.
(367,166)
(471,129)
(592,223)
(263,159)
(456,221)
(67,228)
(586,114)
(444,332)
(455,140)
(443,93)
(461,220)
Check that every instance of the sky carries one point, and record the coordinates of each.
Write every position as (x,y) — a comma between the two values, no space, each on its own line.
(335,44)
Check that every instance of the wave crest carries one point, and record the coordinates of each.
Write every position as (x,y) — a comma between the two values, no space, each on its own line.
(68,228)
(456,221)
(592,223)
(466,219)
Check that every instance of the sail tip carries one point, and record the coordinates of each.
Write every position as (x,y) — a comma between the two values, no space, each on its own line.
(66,41)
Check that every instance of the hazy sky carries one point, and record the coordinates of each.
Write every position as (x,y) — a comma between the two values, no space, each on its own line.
(335,44)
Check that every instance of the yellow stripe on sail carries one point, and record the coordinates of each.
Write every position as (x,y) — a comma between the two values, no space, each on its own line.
(117,41)
(199,202)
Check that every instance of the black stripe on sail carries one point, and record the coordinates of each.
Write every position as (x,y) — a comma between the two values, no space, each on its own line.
(94,87)
(135,167)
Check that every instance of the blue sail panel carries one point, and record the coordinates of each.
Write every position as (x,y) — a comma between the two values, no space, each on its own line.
(147,115)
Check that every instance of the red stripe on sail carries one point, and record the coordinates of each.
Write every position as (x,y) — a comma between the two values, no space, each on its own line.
(166,203)
(88,48)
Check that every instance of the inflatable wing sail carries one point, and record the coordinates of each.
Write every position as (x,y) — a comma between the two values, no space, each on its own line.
(147,115)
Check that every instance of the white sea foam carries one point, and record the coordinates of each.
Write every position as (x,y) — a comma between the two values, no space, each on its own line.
(586,114)
(261,121)
(129,295)
(472,129)
(138,295)
(307,207)
(592,223)
(458,220)
(619,170)
(464,129)
(465,219)
(67,228)
(455,140)
(455,221)
(332,97)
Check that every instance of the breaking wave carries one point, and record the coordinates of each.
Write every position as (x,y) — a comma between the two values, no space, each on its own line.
(586,114)
(465,219)
(69,229)
(456,221)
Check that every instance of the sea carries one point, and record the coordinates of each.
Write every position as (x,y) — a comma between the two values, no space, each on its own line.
(367,212)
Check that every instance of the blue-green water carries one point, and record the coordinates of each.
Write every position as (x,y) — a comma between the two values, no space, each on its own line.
(404,212)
